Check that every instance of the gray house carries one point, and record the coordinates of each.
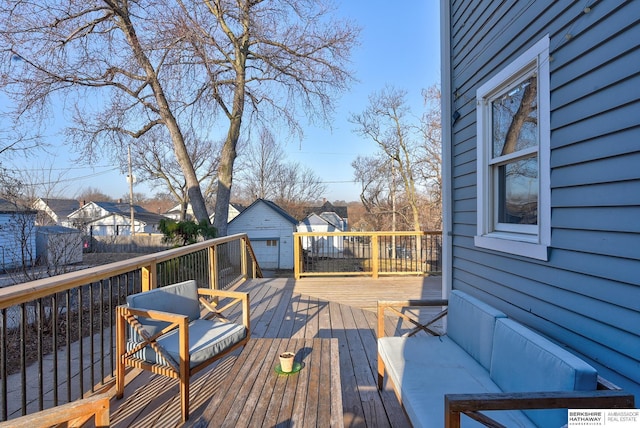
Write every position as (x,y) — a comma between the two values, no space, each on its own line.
(541,148)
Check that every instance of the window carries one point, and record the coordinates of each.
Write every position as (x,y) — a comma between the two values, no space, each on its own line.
(513,157)
(272,242)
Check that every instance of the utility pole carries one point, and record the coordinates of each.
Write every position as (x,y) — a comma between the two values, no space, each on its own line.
(130,179)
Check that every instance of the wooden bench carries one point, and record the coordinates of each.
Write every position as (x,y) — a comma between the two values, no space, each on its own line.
(485,362)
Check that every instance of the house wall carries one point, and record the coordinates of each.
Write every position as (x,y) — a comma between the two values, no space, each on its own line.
(17,237)
(117,225)
(261,223)
(587,295)
(329,246)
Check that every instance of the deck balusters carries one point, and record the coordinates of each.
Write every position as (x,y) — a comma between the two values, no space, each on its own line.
(44,357)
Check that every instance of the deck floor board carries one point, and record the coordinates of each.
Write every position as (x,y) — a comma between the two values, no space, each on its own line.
(342,308)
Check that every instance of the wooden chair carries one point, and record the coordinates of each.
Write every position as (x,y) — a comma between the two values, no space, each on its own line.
(165,331)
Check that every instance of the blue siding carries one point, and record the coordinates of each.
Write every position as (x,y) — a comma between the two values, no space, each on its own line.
(587,295)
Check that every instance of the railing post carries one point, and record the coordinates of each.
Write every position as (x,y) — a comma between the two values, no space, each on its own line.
(149,277)
(243,258)
(375,259)
(297,265)
(213,268)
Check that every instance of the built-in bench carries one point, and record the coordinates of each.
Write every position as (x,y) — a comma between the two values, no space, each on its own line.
(486,361)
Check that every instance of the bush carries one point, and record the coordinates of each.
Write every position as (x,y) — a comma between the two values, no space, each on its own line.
(181,233)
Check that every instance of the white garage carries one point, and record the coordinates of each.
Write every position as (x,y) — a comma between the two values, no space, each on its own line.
(270,230)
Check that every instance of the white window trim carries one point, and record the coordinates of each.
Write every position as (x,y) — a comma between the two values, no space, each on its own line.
(524,244)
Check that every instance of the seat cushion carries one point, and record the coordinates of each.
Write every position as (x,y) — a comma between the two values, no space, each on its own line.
(470,323)
(206,339)
(424,369)
(524,361)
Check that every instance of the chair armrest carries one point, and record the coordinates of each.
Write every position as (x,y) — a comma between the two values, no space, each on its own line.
(222,293)
(472,404)
(396,306)
(215,311)
(153,314)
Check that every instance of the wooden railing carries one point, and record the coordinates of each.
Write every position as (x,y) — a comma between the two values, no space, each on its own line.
(367,253)
(57,335)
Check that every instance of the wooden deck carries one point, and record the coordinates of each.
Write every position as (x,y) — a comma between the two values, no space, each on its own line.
(341,308)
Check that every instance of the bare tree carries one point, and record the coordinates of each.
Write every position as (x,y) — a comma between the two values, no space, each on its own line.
(43,181)
(132,66)
(267,174)
(260,163)
(89,194)
(153,159)
(372,172)
(114,62)
(385,122)
(430,154)
(268,60)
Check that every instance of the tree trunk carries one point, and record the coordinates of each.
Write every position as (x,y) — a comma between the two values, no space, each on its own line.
(179,147)
(229,153)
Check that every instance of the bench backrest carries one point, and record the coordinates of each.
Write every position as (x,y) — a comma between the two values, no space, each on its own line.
(523,360)
(470,323)
(180,298)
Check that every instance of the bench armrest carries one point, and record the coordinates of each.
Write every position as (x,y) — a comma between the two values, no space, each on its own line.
(396,307)
(473,404)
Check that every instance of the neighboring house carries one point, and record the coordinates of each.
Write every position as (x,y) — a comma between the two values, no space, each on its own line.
(327,246)
(234,210)
(338,214)
(175,213)
(541,168)
(270,230)
(113,219)
(54,211)
(17,236)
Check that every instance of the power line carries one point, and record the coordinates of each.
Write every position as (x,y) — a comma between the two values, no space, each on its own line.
(82,177)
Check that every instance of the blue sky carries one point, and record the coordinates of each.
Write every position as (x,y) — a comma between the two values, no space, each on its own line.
(399,46)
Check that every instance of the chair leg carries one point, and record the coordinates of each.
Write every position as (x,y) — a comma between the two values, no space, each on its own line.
(184,398)
(120,369)
(380,373)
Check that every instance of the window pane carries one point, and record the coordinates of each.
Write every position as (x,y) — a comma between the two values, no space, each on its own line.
(515,119)
(518,192)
